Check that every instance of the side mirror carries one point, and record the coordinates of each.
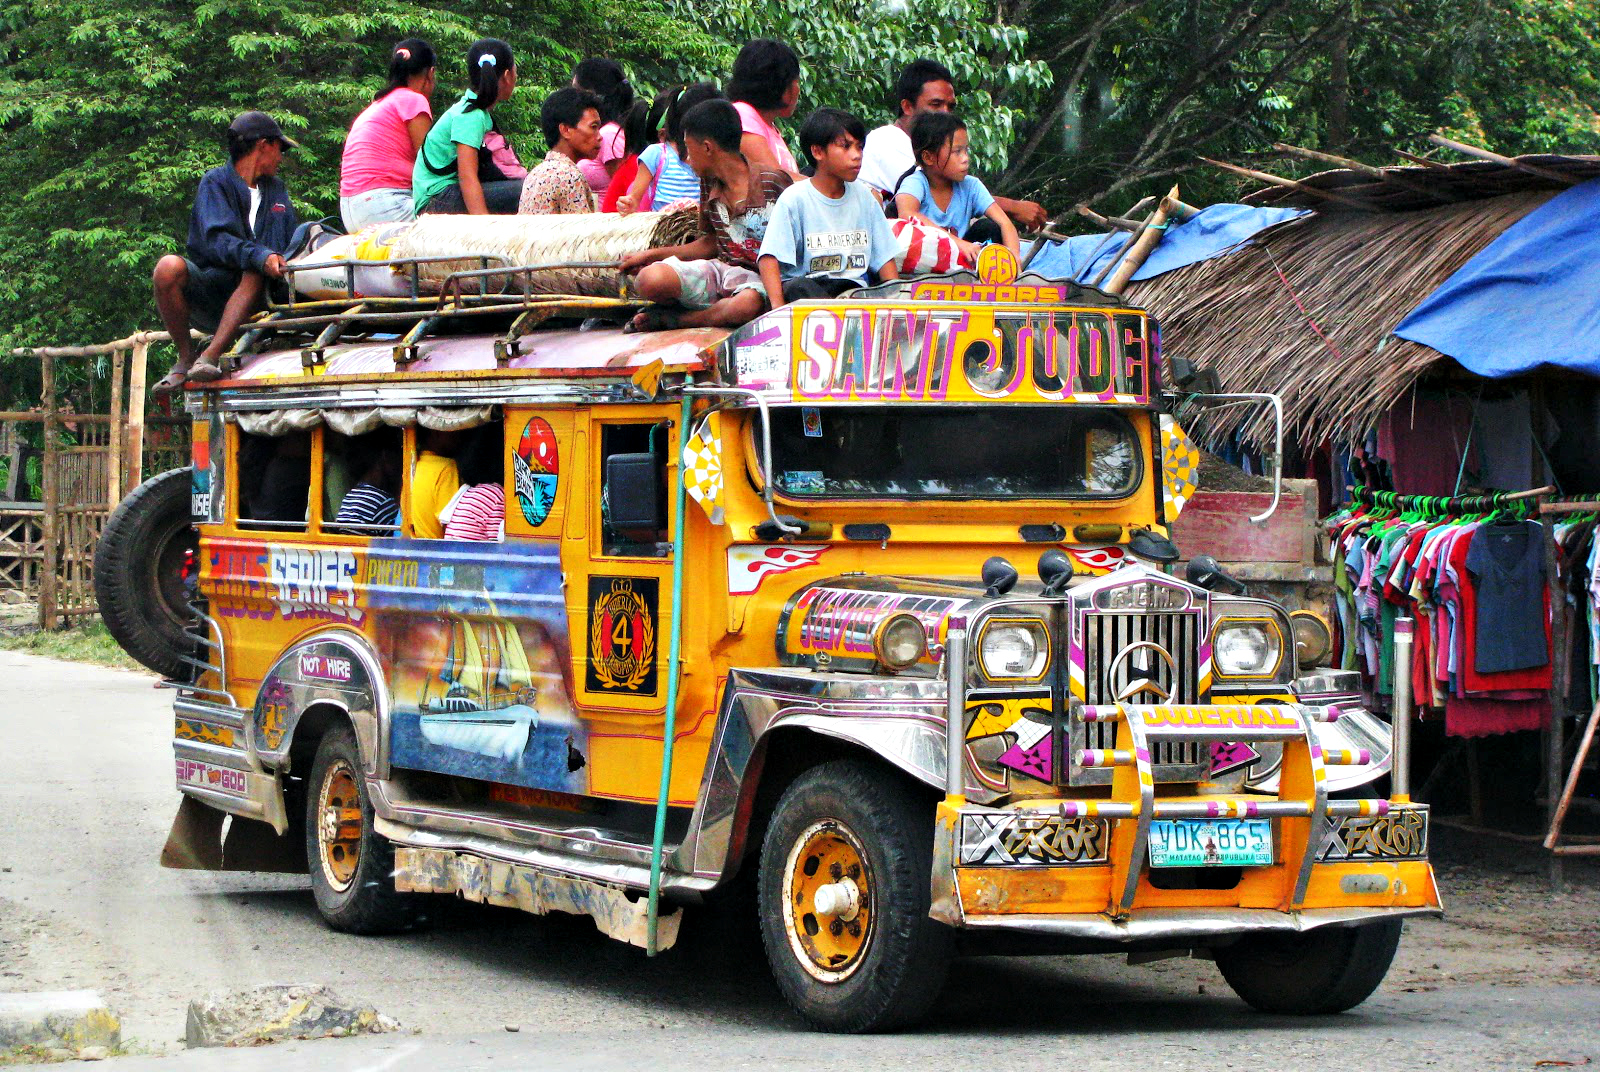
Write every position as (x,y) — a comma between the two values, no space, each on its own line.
(636,498)
(999,576)
(1204,571)
(1055,570)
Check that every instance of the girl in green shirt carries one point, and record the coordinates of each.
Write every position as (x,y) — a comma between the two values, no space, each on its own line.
(446,176)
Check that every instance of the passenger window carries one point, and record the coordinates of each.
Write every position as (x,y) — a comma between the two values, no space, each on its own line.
(452,467)
(633,489)
(361,482)
(274,481)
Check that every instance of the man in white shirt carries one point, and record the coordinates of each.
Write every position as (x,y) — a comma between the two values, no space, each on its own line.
(924,86)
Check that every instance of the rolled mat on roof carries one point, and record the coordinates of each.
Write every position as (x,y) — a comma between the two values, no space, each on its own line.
(519,240)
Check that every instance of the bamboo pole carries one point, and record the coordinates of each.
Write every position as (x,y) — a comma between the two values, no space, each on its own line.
(1127,247)
(1506,161)
(119,360)
(136,375)
(1365,169)
(49,492)
(1423,160)
(1573,775)
(1106,223)
(1292,184)
(100,349)
(1147,240)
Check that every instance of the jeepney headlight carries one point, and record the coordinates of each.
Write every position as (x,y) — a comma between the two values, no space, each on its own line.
(1014,650)
(900,640)
(1313,640)
(1248,647)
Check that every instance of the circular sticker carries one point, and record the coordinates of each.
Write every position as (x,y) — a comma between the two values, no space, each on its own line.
(538,467)
(997,266)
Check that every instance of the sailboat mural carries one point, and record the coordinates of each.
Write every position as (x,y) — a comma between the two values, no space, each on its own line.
(487,706)
(480,665)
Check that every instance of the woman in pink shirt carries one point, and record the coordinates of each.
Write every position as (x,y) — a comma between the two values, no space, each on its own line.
(606,80)
(764,86)
(381,148)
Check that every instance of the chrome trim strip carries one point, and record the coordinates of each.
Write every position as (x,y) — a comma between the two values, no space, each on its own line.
(1164,923)
(215,754)
(206,711)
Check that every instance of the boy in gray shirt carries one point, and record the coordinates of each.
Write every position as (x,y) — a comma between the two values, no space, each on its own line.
(827,232)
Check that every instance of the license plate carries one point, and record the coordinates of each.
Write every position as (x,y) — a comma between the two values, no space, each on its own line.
(1210,842)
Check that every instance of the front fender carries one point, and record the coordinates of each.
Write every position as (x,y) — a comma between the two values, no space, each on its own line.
(337,668)
(899,720)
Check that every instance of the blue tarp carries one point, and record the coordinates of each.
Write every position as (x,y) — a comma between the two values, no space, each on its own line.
(1210,233)
(1530,298)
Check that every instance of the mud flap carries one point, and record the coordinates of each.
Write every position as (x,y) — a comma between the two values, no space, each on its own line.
(196,843)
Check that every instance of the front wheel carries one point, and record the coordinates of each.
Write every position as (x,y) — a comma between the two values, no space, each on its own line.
(1326,970)
(351,864)
(843,896)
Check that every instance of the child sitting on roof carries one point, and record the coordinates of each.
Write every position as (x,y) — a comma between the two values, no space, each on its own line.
(664,172)
(828,232)
(712,281)
(938,189)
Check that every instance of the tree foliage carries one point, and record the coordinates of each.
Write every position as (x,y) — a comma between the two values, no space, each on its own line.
(1142,87)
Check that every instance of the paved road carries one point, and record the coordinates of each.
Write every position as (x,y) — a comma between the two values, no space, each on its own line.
(86,796)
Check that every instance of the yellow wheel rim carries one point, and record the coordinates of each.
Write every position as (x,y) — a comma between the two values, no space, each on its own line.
(828,891)
(339,825)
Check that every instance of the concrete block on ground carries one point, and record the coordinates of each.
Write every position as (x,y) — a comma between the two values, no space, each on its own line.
(279,1012)
(59,1019)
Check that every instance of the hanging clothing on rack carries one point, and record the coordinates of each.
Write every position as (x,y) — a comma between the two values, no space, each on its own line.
(1470,573)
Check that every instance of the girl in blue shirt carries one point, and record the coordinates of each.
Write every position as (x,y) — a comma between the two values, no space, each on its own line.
(938,189)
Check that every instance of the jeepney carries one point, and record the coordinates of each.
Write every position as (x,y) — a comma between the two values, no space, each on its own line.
(866,600)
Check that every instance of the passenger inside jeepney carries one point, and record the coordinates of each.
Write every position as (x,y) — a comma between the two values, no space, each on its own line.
(275,479)
(435,479)
(478,510)
(361,481)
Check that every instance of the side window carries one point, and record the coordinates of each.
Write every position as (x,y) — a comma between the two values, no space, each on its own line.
(274,481)
(633,489)
(458,484)
(361,482)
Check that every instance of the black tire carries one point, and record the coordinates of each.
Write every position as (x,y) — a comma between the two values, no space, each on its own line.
(139,579)
(1318,972)
(361,900)
(897,971)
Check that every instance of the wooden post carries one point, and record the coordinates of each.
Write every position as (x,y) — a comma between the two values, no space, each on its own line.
(115,433)
(50,526)
(135,453)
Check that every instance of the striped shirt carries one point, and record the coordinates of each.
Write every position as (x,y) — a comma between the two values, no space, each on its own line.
(675,180)
(478,513)
(367,504)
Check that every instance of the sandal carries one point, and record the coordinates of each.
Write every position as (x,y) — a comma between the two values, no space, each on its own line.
(651,320)
(172,381)
(204,372)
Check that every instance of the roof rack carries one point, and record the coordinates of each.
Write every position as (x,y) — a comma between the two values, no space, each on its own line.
(463,294)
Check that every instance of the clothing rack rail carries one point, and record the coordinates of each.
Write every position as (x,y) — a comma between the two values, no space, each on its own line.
(1444,505)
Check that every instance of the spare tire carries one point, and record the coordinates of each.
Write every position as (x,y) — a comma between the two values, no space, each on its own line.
(143,573)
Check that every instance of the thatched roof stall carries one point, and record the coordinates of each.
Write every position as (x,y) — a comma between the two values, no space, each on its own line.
(1306,309)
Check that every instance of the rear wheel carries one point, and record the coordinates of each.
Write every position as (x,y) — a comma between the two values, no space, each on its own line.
(844,891)
(1326,970)
(351,864)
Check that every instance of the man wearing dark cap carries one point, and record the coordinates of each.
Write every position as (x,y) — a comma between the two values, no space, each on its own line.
(240,228)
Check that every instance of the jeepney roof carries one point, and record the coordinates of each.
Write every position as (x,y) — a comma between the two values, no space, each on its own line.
(563,353)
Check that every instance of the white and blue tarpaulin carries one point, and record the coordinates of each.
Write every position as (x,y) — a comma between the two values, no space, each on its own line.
(1529,298)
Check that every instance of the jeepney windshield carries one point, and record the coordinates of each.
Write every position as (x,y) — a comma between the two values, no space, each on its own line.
(1000,452)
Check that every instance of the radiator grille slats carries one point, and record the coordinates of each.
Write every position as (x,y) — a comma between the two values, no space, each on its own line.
(1106,634)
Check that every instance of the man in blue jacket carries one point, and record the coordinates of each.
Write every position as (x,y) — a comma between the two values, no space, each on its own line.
(241,226)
